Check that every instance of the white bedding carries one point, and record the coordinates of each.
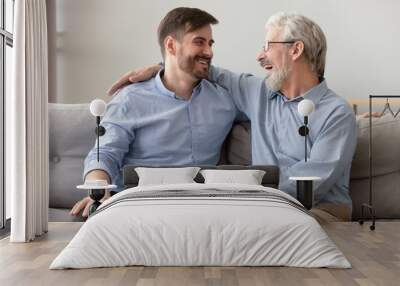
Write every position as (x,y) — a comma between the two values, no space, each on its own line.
(184,230)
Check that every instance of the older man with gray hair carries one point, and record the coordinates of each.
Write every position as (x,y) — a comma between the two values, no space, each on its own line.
(293,58)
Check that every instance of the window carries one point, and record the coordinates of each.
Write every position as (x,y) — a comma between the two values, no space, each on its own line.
(6,44)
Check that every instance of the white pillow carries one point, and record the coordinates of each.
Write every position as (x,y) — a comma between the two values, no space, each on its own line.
(248,177)
(165,176)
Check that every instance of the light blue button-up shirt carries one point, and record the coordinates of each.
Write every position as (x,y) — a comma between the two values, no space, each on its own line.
(146,124)
(276,141)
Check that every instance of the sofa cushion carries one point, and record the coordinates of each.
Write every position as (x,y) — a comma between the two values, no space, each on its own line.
(71,129)
(71,136)
(238,145)
(385,195)
(385,143)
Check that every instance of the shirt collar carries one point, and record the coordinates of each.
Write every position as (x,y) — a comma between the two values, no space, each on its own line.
(164,91)
(315,94)
(161,87)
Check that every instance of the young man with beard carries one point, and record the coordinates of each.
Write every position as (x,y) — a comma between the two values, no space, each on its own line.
(294,59)
(176,118)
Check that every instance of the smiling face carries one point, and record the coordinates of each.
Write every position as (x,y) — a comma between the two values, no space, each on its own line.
(194,52)
(275,59)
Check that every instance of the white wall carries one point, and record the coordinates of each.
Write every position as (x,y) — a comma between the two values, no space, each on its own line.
(93,42)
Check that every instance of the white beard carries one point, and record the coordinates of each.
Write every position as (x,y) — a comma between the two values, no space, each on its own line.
(276,78)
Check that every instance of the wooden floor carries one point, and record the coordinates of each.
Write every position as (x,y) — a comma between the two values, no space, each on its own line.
(374,255)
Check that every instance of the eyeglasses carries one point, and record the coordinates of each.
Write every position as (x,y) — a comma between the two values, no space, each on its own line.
(265,48)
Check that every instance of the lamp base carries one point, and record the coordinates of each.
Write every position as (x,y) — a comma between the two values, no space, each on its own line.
(304,190)
(96,195)
(304,193)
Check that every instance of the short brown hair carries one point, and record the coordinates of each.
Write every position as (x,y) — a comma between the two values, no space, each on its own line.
(180,21)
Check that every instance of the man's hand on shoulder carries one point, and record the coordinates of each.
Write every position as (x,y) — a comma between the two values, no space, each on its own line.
(373,114)
(134,76)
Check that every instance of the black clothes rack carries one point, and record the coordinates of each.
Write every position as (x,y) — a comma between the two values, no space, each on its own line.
(369,207)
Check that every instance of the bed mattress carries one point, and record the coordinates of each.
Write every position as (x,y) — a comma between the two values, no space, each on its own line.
(201,225)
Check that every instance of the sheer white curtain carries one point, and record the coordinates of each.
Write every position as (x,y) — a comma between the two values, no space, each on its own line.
(27,124)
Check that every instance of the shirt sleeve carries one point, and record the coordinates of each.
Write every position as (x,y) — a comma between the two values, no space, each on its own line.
(242,87)
(115,143)
(330,156)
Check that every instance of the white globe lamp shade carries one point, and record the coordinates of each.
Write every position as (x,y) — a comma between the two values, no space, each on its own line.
(305,107)
(98,107)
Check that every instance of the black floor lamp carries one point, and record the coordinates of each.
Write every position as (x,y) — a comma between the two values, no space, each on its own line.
(304,185)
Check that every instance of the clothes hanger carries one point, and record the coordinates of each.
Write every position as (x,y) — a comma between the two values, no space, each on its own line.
(387,108)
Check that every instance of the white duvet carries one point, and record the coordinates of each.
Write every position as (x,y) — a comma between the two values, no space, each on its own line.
(209,229)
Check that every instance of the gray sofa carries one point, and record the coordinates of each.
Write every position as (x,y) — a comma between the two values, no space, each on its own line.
(72,135)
